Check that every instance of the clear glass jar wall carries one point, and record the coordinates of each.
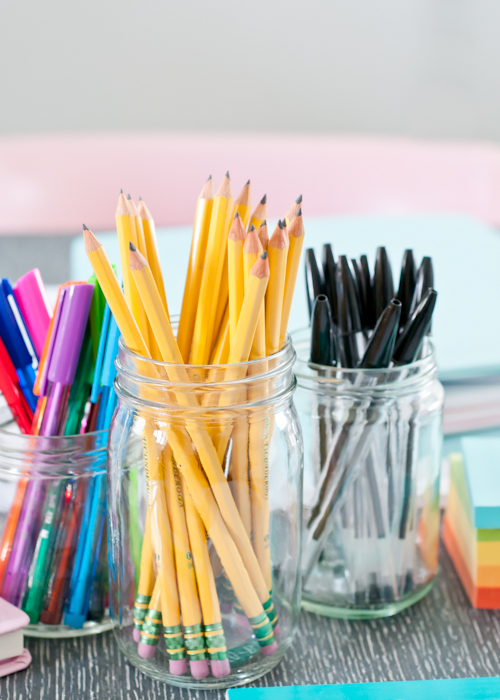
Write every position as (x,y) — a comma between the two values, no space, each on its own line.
(53,555)
(372,457)
(216,453)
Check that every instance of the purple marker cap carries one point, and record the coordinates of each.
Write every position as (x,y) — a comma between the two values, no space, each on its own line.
(43,385)
(71,328)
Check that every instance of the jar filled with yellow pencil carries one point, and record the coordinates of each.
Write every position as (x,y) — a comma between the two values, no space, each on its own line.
(205,449)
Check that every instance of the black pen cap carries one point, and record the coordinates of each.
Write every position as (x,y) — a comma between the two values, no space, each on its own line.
(383,285)
(329,269)
(322,336)
(348,310)
(360,291)
(407,282)
(380,348)
(425,281)
(368,286)
(314,282)
(411,338)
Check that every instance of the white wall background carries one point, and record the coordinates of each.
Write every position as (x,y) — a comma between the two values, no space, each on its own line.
(417,67)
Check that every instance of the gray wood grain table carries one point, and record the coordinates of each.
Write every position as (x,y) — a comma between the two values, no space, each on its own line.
(440,637)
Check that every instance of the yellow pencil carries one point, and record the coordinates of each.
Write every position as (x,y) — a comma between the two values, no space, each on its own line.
(212,621)
(220,353)
(194,275)
(278,253)
(125,228)
(147,579)
(153,255)
(296,240)
(263,235)
(188,589)
(293,210)
(212,275)
(260,213)
(236,239)
(252,250)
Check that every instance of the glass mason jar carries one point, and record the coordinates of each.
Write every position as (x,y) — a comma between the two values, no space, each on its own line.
(372,458)
(53,554)
(217,454)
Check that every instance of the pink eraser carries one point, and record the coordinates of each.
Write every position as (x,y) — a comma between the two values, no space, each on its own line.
(177,667)
(32,300)
(270,649)
(226,608)
(276,630)
(136,635)
(220,668)
(242,620)
(17,663)
(199,668)
(146,651)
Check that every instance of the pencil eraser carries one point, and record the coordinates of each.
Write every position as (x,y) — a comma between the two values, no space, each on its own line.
(276,630)
(242,620)
(199,668)
(270,649)
(177,667)
(226,608)
(136,635)
(220,668)
(146,651)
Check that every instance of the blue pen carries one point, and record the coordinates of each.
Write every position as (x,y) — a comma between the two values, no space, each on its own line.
(13,340)
(89,544)
(96,384)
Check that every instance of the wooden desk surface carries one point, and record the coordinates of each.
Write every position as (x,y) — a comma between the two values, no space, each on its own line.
(440,637)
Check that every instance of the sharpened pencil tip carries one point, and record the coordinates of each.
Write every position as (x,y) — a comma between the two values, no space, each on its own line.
(209,178)
(121,191)
(264,223)
(237,214)
(247,183)
(227,175)
(264,255)
(140,198)
(298,212)
(129,197)
(85,228)
(264,199)
(299,199)
(132,246)
(252,228)
(280,224)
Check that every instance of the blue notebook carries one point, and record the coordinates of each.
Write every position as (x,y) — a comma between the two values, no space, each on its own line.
(466,256)
(455,689)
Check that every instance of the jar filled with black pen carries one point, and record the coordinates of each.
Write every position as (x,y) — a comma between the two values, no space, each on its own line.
(370,404)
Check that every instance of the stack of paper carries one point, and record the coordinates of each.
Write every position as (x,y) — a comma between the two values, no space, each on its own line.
(471,529)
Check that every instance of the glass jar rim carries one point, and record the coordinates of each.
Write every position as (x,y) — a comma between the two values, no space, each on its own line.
(281,360)
(390,377)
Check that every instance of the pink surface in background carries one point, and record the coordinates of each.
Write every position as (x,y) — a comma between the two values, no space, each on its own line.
(52,184)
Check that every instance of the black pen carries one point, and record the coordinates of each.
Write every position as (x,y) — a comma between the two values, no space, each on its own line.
(314,281)
(407,282)
(380,348)
(329,269)
(368,291)
(361,293)
(383,285)
(322,338)
(425,281)
(350,332)
(410,340)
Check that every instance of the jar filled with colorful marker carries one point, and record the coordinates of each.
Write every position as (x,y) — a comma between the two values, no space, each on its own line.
(370,404)
(56,376)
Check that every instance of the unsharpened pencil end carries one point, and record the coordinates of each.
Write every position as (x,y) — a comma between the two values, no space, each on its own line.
(220,668)
(136,636)
(146,651)
(177,667)
(199,668)
(270,649)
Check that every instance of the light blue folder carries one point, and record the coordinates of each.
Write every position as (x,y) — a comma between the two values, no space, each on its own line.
(465,253)
(454,689)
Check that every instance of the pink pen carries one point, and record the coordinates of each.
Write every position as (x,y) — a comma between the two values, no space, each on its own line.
(31,298)
(74,310)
